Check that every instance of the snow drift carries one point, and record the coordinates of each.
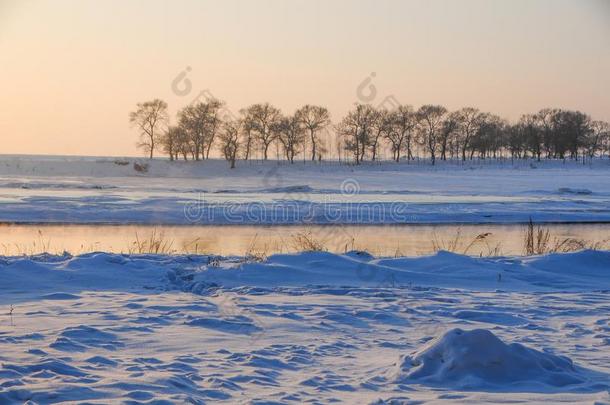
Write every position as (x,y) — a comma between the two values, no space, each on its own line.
(320,326)
(477,359)
(584,270)
(43,274)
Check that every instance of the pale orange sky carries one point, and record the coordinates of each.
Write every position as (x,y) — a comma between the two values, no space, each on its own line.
(71,70)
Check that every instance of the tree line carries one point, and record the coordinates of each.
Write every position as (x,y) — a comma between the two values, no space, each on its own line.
(433,130)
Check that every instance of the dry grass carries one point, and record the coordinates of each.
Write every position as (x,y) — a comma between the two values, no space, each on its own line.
(538,240)
(350,244)
(156,243)
(40,245)
(450,245)
(457,244)
(195,246)
(255,253)
(306,242)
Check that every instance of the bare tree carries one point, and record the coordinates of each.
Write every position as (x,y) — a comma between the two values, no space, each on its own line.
(150,117)
(469,121)
(315,119)
(570,128)
(545,122)
(214,124)
(262,118)
(230,140)
(247,128)
(400,134)
(380,128)
(533,134)
(514,141)
(170,141)
(356,128)
(430,121)
(201,121)
(183,143)
(600,131)
(448,130)
(490,129)
(553,133)
(193,119)
(291,134)
(605,145)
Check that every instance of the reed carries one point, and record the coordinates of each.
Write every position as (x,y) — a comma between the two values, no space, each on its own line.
(305,241)
(459,244)
(156,243)
(254,253)
(538,240)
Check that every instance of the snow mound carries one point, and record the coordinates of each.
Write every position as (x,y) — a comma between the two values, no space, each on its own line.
(478,359)
(289,189)
(578,191)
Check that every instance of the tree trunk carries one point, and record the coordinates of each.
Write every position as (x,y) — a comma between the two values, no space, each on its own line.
(248,146)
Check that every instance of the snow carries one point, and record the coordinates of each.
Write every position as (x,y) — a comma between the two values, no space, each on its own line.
(478,359)
(582,270)
(106,190)
(309,327)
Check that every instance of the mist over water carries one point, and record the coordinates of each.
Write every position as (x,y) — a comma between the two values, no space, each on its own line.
(391,240)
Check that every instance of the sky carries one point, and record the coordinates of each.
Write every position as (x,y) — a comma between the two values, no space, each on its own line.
(72,70)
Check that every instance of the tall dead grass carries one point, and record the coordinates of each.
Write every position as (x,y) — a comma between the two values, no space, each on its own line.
(305,241)
(458,244)
(538,240)
(255,252)
(156,243)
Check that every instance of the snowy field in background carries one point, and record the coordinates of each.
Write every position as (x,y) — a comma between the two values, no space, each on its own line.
(109,190)
(306,328)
